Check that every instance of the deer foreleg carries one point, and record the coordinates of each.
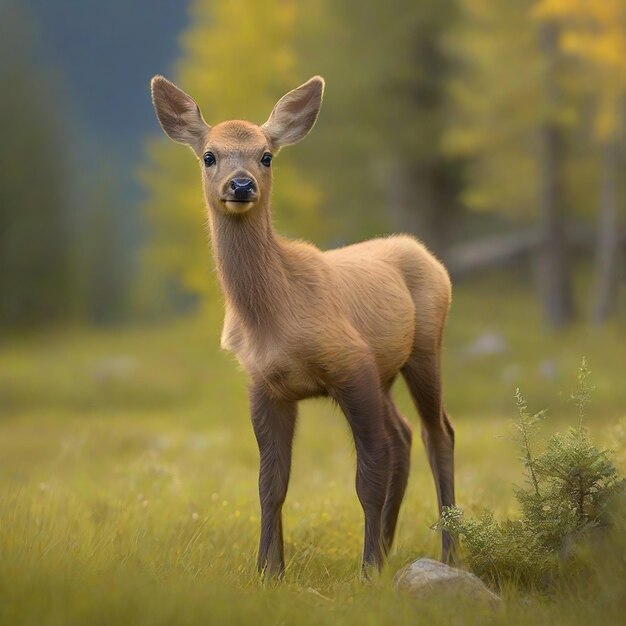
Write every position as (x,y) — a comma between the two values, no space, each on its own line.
(274,423)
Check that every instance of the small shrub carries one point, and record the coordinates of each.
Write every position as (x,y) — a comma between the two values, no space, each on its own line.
(570,488)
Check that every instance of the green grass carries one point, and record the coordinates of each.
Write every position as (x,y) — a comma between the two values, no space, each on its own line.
(128,476)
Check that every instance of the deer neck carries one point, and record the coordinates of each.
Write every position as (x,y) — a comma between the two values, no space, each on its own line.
(250,262)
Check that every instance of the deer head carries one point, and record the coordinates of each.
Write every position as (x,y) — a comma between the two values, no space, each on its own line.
(236,156)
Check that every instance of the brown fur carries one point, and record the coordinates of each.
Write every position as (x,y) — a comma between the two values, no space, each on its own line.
(302,322)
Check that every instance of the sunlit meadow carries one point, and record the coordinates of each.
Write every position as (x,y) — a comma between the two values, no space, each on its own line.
(128,473)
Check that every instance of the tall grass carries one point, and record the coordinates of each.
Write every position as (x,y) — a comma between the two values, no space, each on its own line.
(128,474)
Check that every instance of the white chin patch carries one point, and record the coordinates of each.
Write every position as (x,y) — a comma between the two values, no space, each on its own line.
(238,207)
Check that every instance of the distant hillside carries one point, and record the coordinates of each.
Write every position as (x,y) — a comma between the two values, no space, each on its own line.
(108,51)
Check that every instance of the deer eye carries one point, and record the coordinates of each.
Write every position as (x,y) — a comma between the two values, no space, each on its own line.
(209,159)
(266,159)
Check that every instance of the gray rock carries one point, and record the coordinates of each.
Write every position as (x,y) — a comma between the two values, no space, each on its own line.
(548,369)
(487,344)
(511,373)
(115,368)
(426,578)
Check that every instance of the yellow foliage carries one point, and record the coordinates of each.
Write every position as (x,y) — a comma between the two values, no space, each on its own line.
(498,102)
(500,96)
(595,33)
(237,60)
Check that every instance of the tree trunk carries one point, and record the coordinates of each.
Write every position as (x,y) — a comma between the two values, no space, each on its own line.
(607,242)
(553,271)
(423,200)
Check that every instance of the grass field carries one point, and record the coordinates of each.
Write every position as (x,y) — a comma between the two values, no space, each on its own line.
(128,473)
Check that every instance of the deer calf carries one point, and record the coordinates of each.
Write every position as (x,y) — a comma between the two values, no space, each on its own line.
(303,323)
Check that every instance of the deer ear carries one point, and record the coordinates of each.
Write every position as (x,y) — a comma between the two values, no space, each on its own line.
(295,113)
(178,114)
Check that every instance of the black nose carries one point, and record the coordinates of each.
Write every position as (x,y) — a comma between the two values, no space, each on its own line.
(242,188)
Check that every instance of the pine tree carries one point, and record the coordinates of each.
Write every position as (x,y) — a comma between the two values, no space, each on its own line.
(572,487)
(510,120)
(35,238)
(595,34)
(384,116)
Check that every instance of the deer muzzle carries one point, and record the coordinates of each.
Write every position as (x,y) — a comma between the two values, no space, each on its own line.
(241,190)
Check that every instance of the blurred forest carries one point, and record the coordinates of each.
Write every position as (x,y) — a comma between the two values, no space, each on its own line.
(492,131)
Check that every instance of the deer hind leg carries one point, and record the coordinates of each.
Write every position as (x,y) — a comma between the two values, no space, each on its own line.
(400,445)
(360,398)
(423,377)
(274,424)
